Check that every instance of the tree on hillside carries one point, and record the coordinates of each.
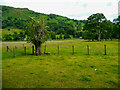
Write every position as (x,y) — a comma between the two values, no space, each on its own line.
(7,37)
(16,36)
(93,25)
(37,34)
(22,36)
(53,35)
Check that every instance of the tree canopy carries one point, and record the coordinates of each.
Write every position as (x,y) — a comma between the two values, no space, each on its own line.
(97,27)
(93,26)
(37,33)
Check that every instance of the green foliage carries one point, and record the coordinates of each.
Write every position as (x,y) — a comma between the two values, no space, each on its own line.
(93,26)
(107,31)
(16,37)
(61,36)
(78,34)
(66,36)
(53,35)
(12,35)
(13,22)
(17,18)
(89,35)
(98,27)
(36,31)
(116,28)
(7,38)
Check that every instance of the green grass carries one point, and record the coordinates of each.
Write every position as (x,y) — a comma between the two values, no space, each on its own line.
(64,70)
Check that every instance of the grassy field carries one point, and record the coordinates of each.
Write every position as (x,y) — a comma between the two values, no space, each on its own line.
(64,70)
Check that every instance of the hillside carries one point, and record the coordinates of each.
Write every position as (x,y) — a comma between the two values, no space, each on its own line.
(15,18)
(23,14)
(60,27)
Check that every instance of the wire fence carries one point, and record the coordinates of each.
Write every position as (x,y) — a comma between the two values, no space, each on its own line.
(60,49)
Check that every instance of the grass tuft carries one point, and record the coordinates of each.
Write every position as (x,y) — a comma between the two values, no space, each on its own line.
(86,78)
(93,66)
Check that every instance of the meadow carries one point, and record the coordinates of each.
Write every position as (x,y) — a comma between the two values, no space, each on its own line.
(62,70)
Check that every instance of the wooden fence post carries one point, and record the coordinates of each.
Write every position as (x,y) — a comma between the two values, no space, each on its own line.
(105,49)
(45,49)
(73,49)
(33,50)
(25,50)
(88,49)
(58,49)
(11,50)
(7,48)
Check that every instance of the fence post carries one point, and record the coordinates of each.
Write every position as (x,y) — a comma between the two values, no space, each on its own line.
(73,49)
(33,50)
(105,49)
(25,50)
(58,49)
(88,49)
(7,48)
(45,49)
(23,45)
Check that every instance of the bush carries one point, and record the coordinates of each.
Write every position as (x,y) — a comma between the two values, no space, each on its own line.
(66,36)
(7,38)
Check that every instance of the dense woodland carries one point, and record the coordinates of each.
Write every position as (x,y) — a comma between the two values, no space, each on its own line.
(96,27)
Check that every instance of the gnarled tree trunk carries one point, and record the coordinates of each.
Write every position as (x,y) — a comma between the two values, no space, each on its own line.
(38,48)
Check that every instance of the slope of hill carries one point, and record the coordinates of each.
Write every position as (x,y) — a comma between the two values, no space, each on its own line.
(14,18)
